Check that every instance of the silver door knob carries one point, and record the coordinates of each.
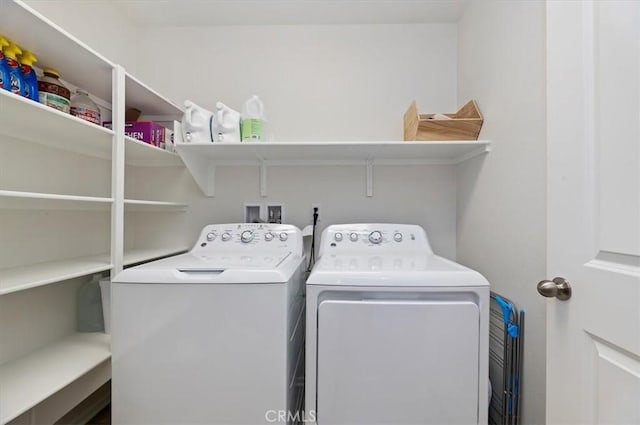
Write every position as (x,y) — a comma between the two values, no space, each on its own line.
(558,288)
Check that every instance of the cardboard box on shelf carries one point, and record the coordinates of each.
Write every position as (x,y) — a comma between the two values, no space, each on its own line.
(145,131)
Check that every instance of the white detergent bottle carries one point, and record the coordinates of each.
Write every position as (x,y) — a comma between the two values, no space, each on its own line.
(226,126)
(253,120)
(197,124)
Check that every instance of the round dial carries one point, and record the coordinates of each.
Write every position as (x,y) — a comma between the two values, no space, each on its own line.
(211,236)
(246,236)
(397,237)
(283,236)
(226,236)
(337,237)
(268,236)
(375,237)
(353,236)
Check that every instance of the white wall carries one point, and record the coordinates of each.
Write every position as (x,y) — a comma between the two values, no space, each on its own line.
(502,197)
(319,82)
(415,194)
(99,24)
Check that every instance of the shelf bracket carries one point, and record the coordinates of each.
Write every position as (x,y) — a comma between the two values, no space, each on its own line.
(369,178)
(263,179)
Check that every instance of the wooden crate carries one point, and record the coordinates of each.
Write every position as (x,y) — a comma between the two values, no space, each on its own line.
(463,125)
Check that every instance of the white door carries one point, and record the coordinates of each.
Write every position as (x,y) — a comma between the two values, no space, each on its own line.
(593,118)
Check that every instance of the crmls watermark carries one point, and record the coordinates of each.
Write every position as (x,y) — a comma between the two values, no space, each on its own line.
(287,416)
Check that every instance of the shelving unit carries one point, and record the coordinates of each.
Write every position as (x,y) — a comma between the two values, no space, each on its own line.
(201,159)
(136,256)
(54,128)
(51,201)
(29,276)
(33,378)
(63,209)
(142,154)
(144,205)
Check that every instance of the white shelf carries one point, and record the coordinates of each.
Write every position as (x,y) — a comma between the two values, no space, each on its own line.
(280,153)
(33,200)
(25,119)
(134,256)
(144,205)
(76,62)
(201,159)
(142,97)
(31,379)
(19,278)
(139,153)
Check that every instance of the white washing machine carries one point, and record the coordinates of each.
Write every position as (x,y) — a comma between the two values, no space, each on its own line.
(395,334)
(213,336)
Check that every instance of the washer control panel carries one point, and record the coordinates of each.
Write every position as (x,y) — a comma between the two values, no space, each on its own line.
(249,236)
(364,238)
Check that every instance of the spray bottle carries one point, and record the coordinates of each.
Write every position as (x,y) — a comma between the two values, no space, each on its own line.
(16,82)
(29,75)
(253,120)
(4,70)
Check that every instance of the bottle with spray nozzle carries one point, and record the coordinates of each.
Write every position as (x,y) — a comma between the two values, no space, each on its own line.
(16,82)
(4,70)
(29,75)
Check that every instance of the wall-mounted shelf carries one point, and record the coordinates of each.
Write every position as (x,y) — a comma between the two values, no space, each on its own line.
(139,153)
(201,159)
(56,48)
(52,127)
(144,205)
(33,378)
(19,278)
(144,98)
(51,201)
(139,255)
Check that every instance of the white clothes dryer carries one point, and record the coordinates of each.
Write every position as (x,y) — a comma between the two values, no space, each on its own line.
(213,336)
(395,334)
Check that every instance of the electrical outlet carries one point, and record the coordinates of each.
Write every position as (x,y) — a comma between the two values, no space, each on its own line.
(253,213)
(275,213)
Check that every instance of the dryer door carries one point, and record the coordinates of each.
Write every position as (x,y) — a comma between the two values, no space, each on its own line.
(397,362)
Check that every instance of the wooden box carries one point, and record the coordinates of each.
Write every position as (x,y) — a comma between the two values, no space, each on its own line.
(463,125)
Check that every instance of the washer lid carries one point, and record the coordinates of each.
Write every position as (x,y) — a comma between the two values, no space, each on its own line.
(426,270)
(203,268)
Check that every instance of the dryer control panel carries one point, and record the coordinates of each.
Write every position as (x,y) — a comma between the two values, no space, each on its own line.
(254,237)
(374,238)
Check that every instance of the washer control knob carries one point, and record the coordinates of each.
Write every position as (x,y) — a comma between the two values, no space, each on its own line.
(268,236)
(211,236)
(353,236)
(337,237)
(283,236)
(226,236)
(375,237)
(246,236)
(397,237)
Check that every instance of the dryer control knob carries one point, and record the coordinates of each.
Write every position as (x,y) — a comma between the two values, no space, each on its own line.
(211,236)
(397,237)
(337,237)
(268,236)
(375,237)
(246,236)
(353,236)
(226,236)
(283,236)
